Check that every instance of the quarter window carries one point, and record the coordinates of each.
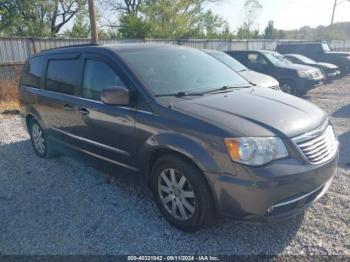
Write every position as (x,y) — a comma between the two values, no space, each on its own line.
(62,75)
(32,71)
(98,76)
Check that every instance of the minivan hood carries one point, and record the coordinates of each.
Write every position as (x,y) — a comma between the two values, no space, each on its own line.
(259,79)
(255,112)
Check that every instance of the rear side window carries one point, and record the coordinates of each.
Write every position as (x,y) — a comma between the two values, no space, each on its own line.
(32,72)
(98,76)
(62,75)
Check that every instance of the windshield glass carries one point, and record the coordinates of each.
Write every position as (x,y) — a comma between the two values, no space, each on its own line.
(277,59)
(174,70)
(305,59)
(228,60)
(325,47)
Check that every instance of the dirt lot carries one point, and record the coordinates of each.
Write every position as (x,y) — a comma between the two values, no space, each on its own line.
(64,206)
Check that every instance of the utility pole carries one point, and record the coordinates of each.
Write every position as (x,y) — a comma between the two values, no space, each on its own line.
(92,12)
(334,7)
(336,3)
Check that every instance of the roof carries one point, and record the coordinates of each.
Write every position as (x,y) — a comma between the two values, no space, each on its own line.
(112,47)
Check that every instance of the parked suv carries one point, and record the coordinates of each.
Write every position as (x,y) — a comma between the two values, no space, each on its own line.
(205,141)
(318,51)
(330,71)
(252,77)
(294,79)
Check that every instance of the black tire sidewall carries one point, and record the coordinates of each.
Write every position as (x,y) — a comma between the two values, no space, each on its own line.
(292,86)
(195,177)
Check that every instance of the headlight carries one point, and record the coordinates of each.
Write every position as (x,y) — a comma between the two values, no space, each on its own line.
(304,74)
(255,151)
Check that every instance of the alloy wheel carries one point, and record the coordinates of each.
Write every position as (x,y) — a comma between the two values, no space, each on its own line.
(38,139)
(176,194)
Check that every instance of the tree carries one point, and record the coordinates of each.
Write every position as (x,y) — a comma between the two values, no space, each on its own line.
(212,25)
(133,27)
(37,17)
(81,27)
(249,29)
(269,31)
(125,7)
(179,18)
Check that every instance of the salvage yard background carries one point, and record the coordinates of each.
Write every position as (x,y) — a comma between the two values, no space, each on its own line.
(67,206)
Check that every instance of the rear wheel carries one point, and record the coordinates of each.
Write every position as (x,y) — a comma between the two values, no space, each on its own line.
(41,144)
(182,193)
(288,87)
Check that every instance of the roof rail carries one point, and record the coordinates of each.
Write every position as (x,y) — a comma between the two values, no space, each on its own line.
(68,46)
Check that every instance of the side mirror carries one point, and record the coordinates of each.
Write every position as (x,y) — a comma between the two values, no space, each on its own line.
(116,96)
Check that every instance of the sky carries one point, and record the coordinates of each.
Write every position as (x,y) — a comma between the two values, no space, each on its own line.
(286,14)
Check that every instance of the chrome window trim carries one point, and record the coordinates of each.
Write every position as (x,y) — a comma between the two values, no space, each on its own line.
(117,150)
(90,100)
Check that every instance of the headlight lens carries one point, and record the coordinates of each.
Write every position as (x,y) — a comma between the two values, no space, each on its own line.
(304,74)
(255,151)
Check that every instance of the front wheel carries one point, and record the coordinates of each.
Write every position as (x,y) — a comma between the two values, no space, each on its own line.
(288,87)
(182,194)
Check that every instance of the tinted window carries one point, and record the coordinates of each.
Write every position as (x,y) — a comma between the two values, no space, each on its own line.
(99,76)
(32,72)
(256,59)
(304,59)
(174,70)
(62,75)
(276,58)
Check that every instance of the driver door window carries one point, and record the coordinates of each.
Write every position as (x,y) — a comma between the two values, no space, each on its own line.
(257,62)
(98,76)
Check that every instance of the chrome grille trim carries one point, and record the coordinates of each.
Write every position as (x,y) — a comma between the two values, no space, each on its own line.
(318,146)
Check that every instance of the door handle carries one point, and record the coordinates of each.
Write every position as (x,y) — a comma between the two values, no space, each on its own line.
(84,111)
(67,107)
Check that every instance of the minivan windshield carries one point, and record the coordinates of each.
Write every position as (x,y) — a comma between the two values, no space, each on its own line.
(180,70)
(228,60)
(277,59)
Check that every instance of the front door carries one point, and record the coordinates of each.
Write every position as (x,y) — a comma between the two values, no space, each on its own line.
(107,131)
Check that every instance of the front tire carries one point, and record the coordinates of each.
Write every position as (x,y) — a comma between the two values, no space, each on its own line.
(41,143)
(288,87)
(182,194)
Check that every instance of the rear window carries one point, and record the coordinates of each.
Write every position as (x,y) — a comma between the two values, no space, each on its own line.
(62,75)
(32,72)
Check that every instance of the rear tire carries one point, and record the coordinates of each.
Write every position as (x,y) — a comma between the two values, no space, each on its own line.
(41,143)
(288,87)
(181,193)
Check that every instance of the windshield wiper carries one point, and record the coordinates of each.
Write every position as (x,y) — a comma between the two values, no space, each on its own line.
(180,94)
(226,88)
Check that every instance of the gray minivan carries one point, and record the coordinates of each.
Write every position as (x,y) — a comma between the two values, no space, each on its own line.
(205,141)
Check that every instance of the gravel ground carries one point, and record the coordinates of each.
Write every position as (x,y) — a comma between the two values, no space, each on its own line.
(63,206)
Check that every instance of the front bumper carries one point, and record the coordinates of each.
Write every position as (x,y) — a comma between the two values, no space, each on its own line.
(273,192)
(304,85)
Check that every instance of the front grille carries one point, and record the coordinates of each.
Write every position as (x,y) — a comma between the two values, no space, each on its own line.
(320,148)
